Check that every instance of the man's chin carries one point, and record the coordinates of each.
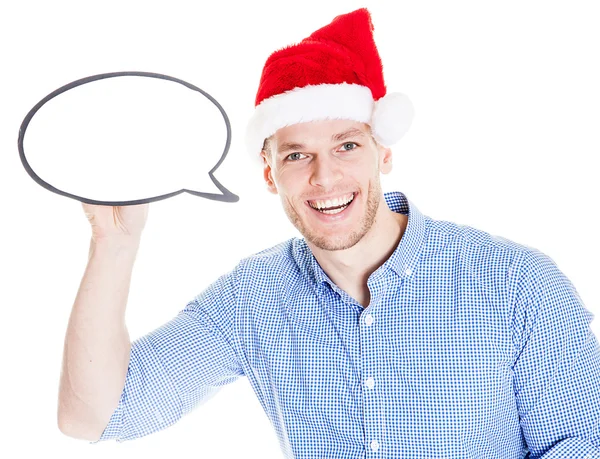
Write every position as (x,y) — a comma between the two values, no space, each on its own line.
(314,234)
(333,244)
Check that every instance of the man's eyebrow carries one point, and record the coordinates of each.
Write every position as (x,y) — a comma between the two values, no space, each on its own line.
(352,132)
(287,146)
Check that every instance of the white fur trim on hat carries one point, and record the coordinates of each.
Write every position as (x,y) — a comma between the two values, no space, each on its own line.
(390,117)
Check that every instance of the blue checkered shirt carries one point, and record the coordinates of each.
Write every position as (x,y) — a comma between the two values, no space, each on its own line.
(472,346)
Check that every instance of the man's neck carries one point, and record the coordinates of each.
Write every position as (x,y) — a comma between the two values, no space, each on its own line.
(350,269)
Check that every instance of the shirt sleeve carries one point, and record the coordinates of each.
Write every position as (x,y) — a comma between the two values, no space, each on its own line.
(557,364)
(176,367)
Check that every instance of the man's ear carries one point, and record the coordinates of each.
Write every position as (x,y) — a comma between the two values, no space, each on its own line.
(385,159)
(268,172)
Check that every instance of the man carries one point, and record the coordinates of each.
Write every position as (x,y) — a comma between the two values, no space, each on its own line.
(382,332)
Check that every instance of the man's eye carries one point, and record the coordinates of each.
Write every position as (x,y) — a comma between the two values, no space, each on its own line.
(350,143)
(294,156)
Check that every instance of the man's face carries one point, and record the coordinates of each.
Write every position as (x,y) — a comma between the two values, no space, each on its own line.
(327,176)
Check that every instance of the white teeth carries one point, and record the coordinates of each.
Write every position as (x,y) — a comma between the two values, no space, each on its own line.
(334,211)
(336,202)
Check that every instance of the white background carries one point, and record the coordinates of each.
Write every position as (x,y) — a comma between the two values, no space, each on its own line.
(505,139)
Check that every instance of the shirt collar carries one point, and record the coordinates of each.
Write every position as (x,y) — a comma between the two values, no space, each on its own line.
(403,260)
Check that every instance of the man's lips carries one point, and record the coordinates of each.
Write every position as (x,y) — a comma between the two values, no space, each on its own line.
(333,205)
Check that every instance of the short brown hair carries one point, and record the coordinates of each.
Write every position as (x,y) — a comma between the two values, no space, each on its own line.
(267,146)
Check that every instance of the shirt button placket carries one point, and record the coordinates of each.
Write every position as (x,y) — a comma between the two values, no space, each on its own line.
(370,385)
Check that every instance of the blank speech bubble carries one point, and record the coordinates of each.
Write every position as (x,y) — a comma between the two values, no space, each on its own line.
(117,138)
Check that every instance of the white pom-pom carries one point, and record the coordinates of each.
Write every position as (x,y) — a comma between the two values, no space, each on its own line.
(392,117)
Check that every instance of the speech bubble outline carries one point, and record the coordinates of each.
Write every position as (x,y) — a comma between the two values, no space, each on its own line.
(227,195)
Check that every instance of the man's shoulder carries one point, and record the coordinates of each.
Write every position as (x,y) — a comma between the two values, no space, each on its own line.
(282,251)
(473,241)
(281,259)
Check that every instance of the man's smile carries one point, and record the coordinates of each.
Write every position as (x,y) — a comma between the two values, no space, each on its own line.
(332,205)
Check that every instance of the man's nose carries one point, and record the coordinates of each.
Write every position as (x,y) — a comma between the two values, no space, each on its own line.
(326,171)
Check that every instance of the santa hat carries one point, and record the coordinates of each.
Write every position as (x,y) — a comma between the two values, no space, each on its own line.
(335,73)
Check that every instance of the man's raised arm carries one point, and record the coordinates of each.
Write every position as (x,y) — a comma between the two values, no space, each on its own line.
(97,344)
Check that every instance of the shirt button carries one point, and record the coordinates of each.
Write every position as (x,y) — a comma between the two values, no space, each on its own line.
(368,319)
(370,383)
(408,271)
(374,445)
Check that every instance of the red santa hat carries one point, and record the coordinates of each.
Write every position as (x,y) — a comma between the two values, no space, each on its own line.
(335,73)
